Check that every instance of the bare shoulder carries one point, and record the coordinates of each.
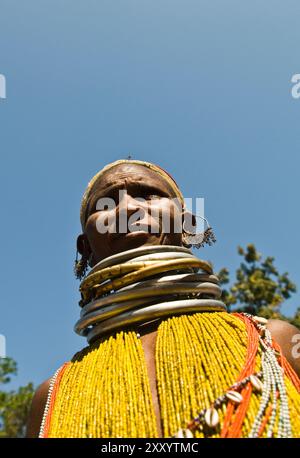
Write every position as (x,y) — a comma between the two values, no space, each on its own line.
(288,337)
(37,409)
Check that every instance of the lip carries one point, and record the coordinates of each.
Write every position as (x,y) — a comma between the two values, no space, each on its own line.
(117,235)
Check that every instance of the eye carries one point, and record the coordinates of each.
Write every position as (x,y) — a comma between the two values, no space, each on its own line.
(102,209)
(105,203)
(152,197)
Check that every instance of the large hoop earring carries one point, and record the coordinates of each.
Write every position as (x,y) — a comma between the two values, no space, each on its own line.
(198,239)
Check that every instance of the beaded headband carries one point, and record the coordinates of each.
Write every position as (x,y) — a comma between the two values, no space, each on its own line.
(168,178)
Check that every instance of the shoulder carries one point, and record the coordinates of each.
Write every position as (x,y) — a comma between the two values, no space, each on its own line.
(288,337)
(37,409)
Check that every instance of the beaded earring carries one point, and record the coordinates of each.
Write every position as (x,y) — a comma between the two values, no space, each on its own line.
(198,240)
(80,266)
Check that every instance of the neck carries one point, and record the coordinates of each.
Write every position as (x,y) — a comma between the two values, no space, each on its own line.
(138,288)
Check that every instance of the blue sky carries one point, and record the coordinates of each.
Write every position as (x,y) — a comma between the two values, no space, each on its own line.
(202,88)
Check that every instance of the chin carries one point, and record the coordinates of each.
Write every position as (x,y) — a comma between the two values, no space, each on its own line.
(134,240)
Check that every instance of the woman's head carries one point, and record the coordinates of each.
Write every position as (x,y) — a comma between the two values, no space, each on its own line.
(126,205)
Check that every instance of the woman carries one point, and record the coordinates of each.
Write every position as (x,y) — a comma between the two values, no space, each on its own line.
(164,358)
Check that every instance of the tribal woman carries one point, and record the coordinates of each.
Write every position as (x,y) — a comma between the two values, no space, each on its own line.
(164,358)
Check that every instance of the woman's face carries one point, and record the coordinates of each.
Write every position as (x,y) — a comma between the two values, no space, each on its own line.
(138,200)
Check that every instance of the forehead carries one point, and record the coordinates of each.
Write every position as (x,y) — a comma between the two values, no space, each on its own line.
(132,173)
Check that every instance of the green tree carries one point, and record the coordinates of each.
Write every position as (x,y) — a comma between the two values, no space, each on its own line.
(14,405)
(295,320)
(258,287)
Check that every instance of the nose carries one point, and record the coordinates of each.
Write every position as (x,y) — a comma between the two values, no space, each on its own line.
(128,204)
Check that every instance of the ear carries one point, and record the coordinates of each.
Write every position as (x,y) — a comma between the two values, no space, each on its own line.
(83,246)
(188,222)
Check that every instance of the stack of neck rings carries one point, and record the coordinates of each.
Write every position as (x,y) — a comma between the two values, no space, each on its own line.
(218,374)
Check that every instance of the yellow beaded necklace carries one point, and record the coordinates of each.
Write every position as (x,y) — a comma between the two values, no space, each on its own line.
(105,392)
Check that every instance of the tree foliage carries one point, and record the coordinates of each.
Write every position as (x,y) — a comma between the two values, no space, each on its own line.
(258,287)
(14,405)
